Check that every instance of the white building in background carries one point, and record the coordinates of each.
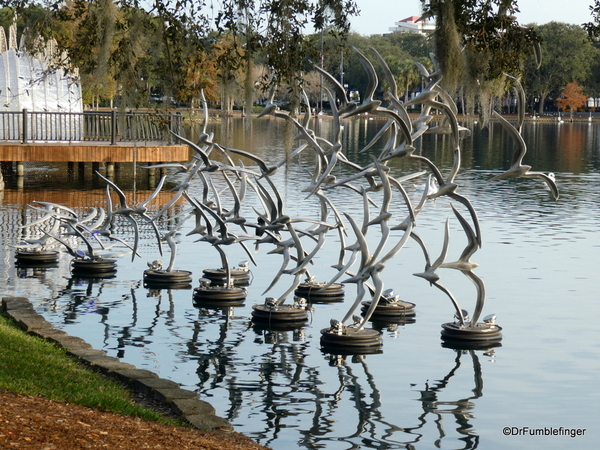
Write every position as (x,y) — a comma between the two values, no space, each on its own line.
(39,82)
(413,24)
(593,102)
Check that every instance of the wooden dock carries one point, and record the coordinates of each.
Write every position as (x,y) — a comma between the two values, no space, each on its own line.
(92,152)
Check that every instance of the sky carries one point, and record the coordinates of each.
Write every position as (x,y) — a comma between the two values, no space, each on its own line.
(378,16)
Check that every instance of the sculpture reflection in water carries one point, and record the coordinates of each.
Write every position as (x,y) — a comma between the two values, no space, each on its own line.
(215,346)
(299,240)
(369,404)
(461,409)
(88,296)
(270,378)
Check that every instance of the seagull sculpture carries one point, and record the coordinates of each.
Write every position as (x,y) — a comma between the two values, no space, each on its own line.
(517,168)
(430,274)
(465,265)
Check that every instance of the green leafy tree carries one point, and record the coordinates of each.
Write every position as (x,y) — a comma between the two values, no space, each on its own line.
(274,31)
(399,51)
(338,58)
(568,55)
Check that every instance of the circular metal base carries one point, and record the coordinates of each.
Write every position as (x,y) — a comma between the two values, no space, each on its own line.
(480,333)
(94,268)
(32,258)
(280,314)
(389,310)
(239,277)
(219,296)
(175,279)
(351,340)
(311,292)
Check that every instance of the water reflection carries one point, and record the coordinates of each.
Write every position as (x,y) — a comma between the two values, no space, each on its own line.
(366,401)
(212,349)
(282,385)
(462,409)
(373,430)
(538,260)
(36,270)
(82,296)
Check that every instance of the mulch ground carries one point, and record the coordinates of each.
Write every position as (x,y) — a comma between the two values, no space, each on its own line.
(42,424)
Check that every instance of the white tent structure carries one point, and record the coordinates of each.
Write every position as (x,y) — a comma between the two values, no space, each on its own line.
(43,85)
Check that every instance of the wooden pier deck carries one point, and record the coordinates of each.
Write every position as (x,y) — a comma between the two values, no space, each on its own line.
(101,152)
(92,152)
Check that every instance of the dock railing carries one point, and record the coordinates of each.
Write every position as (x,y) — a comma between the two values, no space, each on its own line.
(94,126)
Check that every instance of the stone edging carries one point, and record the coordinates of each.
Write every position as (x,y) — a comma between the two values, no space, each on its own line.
(183,402)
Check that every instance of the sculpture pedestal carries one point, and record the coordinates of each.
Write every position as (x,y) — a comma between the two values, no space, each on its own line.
(312,292)
(350,340)
(390,310)
(209,295)
(482,335)
(279,314)
(175,279)
(36,258)
(94,268)
(239,277)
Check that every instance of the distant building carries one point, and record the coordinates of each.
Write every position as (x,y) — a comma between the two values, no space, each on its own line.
(593,103)
(38,82)
(413,24)
(42,83)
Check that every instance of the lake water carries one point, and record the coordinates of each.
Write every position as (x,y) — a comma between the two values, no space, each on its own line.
(539,261)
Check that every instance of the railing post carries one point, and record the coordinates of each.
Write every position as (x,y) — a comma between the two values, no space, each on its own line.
(179,126)
(175,127)
(24,126)
(113,127)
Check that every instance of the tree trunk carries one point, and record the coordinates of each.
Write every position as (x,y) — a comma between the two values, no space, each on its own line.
(294,104)
(226,97)
(248,87)
(541,105)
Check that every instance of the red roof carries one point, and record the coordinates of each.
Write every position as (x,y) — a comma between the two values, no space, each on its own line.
(411,19)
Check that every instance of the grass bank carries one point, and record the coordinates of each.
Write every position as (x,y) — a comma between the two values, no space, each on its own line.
(32,366)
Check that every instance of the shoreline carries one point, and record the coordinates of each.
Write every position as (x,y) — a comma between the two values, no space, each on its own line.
(184,403)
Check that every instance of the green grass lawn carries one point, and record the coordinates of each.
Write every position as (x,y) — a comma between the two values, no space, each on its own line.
(32,366)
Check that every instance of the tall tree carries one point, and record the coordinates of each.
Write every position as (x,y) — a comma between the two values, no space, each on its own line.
(485,27)
(477,41)
(276,29)
(568,56)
